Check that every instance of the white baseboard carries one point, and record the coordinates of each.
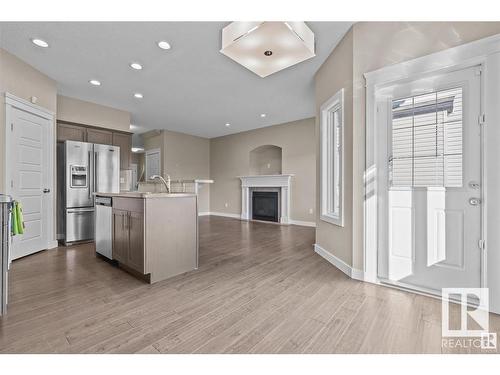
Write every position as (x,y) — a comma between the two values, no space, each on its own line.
(52,244)
(224,214)
(353,273)
(237,216)
(302,223)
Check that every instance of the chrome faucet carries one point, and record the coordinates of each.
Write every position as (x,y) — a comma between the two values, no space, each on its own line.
(166,183)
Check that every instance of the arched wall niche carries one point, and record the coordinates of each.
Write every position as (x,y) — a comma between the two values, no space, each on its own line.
(266,160)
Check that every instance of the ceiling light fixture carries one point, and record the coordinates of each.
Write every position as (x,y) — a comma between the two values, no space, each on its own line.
(95,82)
(136,66)
(262,115)
(268,47)
(164,45)
(228,125)
(40,43)
(138,95)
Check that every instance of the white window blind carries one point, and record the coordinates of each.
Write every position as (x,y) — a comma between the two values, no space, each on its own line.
(427,140)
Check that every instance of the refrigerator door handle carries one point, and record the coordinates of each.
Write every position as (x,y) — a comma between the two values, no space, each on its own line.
(95,172)
(89,174)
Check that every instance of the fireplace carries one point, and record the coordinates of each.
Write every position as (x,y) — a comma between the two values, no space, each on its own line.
(279,184)
(265,205)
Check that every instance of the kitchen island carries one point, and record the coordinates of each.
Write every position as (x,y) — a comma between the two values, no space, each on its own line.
(154,235)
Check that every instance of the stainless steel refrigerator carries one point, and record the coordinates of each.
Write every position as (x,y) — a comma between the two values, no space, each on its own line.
(88,168)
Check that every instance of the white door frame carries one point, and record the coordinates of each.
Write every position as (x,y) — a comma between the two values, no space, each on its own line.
(12,101)
(485,52)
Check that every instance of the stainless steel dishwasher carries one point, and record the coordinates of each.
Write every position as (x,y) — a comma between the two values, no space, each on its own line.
(103,226)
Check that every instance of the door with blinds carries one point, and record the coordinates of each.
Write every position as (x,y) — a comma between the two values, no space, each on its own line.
(430,213)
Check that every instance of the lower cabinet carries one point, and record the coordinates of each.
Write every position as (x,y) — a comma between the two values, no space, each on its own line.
(120,235)
(135,258)
(128,238)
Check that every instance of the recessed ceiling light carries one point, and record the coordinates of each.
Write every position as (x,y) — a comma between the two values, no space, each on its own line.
(136,66)
(40,43)
(95,82)
(263,115)
(228,125)
(163,45)
(138,95)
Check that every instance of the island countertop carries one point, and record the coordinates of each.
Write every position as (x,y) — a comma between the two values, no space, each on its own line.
(145,195)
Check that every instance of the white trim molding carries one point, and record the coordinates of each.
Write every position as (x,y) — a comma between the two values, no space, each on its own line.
(339,263)
(311,224)
(224,214)
(281,181)
(302,223)
(332,159)
(12,101)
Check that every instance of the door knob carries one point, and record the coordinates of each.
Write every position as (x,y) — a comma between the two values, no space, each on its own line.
(474,201)
(46,190)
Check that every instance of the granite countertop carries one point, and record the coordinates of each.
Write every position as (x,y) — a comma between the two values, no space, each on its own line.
(145,195)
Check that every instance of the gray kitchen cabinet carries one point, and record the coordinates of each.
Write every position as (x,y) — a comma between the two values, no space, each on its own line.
(103,137)
(128,233)
(155,235)
(92,134)
(120,235)
(66,132)
(135,258)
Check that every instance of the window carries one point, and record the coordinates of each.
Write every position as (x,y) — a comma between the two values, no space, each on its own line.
(332,155)
(427,140)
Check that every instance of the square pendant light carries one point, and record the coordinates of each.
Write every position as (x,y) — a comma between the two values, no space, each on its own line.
(267,47)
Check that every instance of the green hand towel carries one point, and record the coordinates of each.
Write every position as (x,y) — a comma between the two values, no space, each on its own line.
(14,228)
(20,219)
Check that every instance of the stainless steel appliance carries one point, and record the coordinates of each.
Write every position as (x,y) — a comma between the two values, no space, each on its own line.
(88,168)
(5,207)
(103,225)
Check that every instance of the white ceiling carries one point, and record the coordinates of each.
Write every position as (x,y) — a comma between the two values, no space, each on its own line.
(191,88)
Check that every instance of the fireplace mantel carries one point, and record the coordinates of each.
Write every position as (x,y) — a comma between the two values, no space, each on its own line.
(281,181)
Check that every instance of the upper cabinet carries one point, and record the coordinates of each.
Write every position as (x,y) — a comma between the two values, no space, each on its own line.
(103,137)
(124,141)
(67,132)
(83,133)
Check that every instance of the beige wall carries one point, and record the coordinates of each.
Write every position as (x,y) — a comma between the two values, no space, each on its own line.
(371,46)
(335,74)
(82,112)
(265,160)
(183,156)
(230,157)
(23,81)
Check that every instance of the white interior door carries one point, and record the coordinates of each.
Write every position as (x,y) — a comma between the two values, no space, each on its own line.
(29,178)
(153,163)
(430,190)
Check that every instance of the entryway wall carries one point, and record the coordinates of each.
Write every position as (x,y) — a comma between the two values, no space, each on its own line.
(25,82)
(366,47)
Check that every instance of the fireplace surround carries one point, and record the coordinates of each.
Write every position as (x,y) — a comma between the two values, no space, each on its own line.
(279,183)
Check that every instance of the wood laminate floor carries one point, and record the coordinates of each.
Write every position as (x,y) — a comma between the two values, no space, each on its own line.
(260,288)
